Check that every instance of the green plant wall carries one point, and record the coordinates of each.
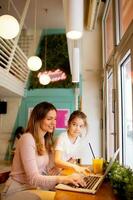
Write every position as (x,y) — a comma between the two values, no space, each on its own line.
(56,57)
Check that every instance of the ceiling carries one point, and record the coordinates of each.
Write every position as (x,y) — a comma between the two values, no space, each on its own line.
(53,18)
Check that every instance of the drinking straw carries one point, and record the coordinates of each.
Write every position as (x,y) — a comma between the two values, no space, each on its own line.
(92,151)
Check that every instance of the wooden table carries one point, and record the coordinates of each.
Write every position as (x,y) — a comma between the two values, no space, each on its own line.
(105,192)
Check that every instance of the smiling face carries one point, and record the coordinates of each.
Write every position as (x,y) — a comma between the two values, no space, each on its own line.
(76,127)
(48,124)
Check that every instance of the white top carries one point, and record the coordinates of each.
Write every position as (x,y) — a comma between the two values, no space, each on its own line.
(69,149)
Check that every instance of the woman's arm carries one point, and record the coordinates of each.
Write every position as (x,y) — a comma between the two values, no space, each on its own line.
(28,158)
(59,161)
(60,147)
(66,164)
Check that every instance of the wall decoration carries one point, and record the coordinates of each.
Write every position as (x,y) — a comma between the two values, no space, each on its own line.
(57,58)
(62,118)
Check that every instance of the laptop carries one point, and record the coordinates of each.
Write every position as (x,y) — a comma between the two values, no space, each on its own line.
(93,181)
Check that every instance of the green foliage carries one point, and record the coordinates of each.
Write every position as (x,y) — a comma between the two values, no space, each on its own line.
(57,57)
(121,179)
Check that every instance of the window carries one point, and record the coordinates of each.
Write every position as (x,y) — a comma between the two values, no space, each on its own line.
(127,111)
(118,103)
(110,115)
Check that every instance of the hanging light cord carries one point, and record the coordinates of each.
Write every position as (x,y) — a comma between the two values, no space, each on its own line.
(35,21)
(46,51)
(46,10)
(8,7)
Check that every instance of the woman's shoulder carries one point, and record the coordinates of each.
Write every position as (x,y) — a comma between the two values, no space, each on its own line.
(27,138)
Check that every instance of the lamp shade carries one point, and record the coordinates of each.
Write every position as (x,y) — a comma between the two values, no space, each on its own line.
(34,63)
(9,27)
(75,65)
(44,78)
(74,18)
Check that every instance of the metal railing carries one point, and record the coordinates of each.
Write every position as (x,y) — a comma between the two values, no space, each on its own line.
(14,63)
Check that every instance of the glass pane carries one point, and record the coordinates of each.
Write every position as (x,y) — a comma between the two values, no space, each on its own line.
(109,43)
(110,118)
(127,120)
(126,14)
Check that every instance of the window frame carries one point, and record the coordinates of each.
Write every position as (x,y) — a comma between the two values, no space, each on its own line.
(106,59)
(122,51)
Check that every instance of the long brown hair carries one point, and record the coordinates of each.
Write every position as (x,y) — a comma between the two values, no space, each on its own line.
(38,113)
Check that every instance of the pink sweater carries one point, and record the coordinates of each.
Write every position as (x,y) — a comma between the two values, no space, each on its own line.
(28,167)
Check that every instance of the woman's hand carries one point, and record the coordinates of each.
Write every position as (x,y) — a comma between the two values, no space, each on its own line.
(82,170)
(75,179)
(54,171)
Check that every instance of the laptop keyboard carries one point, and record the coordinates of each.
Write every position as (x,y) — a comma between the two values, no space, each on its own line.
(90,182)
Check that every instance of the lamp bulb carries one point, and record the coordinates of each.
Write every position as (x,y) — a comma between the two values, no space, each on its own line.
(9,27)
(34,63)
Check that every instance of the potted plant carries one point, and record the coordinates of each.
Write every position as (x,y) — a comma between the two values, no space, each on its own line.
(121,179)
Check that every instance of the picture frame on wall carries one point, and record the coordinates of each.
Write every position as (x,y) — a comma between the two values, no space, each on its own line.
(62,118)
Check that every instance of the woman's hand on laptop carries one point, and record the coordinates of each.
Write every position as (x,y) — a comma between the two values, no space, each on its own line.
(75,179)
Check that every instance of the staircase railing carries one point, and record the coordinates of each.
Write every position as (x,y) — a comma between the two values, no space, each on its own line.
(17,66)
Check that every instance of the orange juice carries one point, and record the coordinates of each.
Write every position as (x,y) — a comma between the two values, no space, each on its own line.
(98,165)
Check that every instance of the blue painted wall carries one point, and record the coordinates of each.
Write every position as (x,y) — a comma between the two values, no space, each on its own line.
(61,98)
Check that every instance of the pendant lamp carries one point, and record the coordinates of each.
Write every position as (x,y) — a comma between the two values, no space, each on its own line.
(73,10)
(44,77)
(75,65)
(34,62)
(9,26)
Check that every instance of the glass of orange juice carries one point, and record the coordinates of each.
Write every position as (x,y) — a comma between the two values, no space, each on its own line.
(98,165)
